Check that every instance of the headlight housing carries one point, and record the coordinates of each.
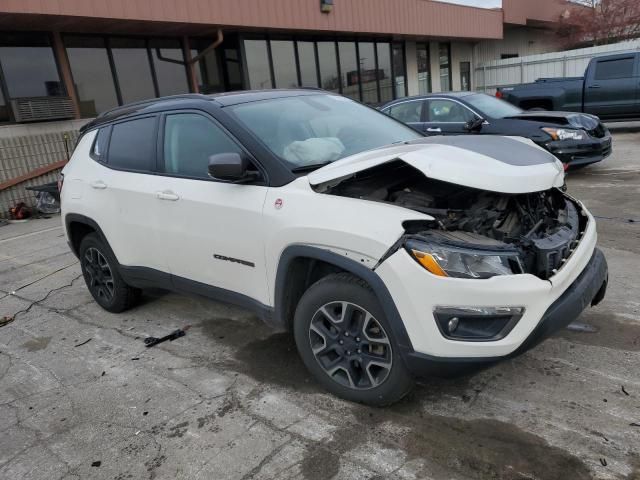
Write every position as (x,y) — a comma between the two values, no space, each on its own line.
(458,262)
(564,133)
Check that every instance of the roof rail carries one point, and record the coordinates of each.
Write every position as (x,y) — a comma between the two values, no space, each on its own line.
(150,101)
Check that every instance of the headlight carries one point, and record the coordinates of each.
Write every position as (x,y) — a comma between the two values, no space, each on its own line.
(452,261)
(564,133)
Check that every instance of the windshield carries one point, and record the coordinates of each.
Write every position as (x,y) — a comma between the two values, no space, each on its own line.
(492,107)
(312,130)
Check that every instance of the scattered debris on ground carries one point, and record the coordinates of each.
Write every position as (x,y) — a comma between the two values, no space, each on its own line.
(152,341)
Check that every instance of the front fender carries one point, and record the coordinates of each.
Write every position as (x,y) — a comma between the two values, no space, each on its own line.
(358,230)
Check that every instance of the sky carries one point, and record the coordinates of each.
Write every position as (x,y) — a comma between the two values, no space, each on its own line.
(476,3)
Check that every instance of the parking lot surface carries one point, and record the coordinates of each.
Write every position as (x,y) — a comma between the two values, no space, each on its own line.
(81,396)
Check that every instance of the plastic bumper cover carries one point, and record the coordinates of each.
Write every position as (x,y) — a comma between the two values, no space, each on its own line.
(588,289)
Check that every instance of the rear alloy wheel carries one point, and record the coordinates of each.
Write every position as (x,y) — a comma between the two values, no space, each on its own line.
(98,275)
(346,342)
(101,275)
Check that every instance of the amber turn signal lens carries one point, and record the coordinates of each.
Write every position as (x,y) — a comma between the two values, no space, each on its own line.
(428,262)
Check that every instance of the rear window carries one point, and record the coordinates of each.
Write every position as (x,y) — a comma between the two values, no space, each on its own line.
(133,145)
(610,69)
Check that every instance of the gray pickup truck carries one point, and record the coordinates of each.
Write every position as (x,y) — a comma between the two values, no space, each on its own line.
(609,89)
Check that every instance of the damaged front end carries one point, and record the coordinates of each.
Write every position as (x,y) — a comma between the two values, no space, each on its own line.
(474,233)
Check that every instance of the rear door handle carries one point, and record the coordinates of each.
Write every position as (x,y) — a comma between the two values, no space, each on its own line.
(98,185)
(172,197)
(594,86)
(438,130)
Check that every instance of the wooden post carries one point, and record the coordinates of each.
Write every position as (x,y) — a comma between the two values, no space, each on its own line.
(191,66)
(65,72)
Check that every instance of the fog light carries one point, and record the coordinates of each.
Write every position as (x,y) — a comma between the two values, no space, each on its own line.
(479,324)
(453,324)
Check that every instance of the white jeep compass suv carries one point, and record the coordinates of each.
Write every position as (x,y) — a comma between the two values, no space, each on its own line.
(389,255)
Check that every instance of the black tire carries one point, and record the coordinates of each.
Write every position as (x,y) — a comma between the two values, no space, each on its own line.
(340,358)
(101,275)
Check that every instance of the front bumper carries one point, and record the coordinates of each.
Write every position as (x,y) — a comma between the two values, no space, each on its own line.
(581,152)
(416,294)
(588,289)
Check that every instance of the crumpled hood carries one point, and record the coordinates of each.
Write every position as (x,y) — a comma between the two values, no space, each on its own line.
(497,164)
(572,119)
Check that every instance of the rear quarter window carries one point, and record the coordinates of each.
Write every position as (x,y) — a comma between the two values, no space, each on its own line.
(99,147)
(133,145)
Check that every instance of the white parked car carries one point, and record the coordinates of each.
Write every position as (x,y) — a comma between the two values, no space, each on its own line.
(389,255)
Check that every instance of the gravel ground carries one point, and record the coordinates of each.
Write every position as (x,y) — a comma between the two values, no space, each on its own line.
(81,397)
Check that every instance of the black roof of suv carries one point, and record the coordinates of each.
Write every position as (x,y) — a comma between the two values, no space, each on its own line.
(177,101)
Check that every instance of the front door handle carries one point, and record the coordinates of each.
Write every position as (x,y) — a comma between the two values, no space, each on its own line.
(98,185)
(172,197)
(435,130)
(594,86)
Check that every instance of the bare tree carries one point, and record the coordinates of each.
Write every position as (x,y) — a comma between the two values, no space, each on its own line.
(599,22)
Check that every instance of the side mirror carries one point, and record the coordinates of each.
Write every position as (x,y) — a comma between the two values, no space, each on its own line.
(474,125)
(230,167)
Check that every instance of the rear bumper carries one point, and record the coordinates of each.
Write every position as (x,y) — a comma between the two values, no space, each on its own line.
(581,152)
(587,289)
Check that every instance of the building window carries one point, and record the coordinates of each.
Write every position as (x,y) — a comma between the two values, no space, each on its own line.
(168,63)
(368,72)
(308,65)
(371,72)
(465,76)
(233,65)
(208,71)
(424,68)
(28,66)
(445,67)
(284,63)
(4,108)
(111,71)
(399,70)
(328,64)
(385,77)
(504,56)
(133,69)
(92,74)
(257,60)
(349,75)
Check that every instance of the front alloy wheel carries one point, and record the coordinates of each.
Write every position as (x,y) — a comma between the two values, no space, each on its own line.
(350,345)
(346,341)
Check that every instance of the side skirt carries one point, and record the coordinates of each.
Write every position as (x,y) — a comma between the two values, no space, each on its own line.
(142,277)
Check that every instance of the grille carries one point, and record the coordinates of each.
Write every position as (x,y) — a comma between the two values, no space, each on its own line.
(597,132)
(33,109)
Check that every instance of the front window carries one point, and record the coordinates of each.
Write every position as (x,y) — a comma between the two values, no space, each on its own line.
(492,107)
(312,130)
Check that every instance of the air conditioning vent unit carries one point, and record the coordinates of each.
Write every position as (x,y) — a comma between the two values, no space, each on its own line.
(34,109)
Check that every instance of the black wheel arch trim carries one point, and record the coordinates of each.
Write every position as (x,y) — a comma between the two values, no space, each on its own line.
(293,252)
(77,218)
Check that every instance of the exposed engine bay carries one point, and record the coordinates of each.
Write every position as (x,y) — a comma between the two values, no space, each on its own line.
(543,228)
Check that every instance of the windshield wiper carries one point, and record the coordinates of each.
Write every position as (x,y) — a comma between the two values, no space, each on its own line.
(309,168)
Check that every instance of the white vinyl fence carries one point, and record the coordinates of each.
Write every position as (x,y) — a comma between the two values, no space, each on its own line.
(569,63)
